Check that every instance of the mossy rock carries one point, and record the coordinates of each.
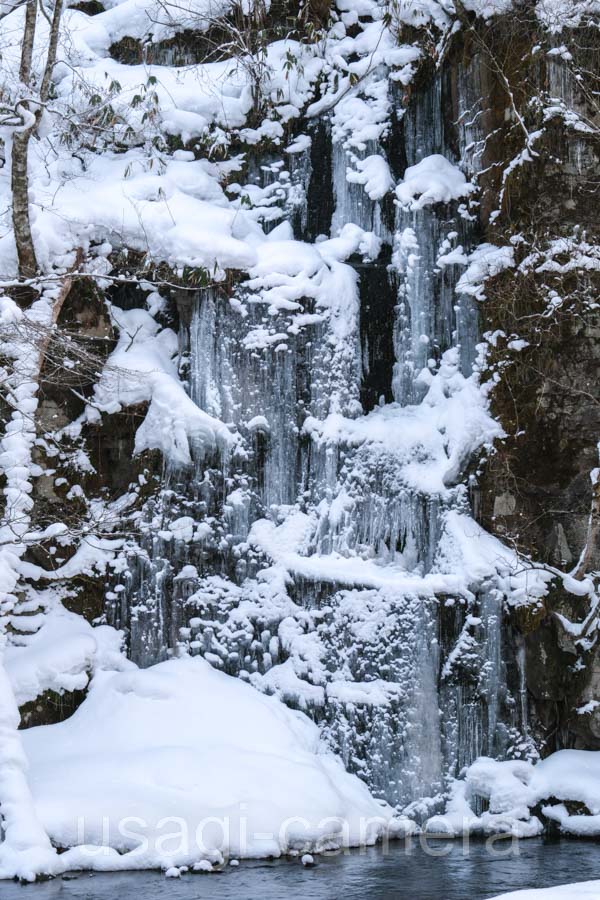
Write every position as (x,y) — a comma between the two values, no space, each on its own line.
(50,708)
(528,617)
(89,7)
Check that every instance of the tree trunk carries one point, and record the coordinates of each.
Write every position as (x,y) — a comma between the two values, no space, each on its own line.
(587,555)
(27,44)
(27,260)
(52,50)
(28,266)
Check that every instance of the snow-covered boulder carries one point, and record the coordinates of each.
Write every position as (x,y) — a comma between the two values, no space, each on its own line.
(563,788)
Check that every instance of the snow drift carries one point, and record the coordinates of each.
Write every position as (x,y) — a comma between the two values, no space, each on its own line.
(180,763)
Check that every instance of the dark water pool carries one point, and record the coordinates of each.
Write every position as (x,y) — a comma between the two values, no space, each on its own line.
(404,871)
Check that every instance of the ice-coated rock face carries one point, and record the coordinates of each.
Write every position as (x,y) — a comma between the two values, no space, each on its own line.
(320,566)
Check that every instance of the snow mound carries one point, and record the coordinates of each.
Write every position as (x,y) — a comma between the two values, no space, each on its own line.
(179,762)
(433,180)
(60,655)
(374,173)
(565,785)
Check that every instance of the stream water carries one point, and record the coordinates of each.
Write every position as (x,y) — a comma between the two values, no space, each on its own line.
(409,872)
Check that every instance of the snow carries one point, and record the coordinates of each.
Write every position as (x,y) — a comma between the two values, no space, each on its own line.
(466,547)
(588,890)
(488,8)
(179,216)
(175,209)
(569,775)
(145,19)
(60,655)
(258,423)
(338,569)
(25,846)
(433,439)
(423,12)
(143,369)
(374,174)
(433,180)
(302,143)
(24,837)
(230,771)
(556,15)
(169,207)
(513,788)
(203,866)
(484,262)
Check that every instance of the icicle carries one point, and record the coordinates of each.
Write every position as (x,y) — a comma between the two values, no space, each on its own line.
(352,200)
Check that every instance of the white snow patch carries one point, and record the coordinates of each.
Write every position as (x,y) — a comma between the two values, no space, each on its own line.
(433,180)
(143,369)
(485,262)
(583,890)
(374,174)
